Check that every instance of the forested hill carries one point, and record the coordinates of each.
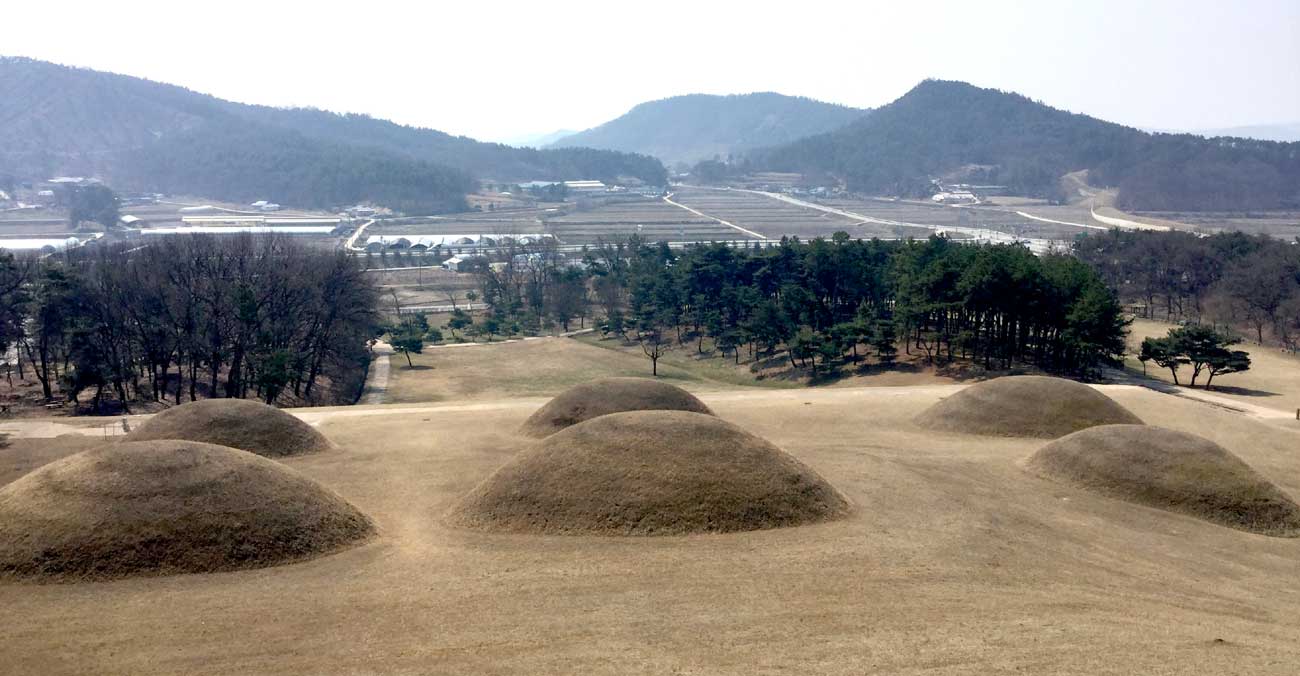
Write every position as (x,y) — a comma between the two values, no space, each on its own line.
(488,160)
(699,126)
(145,135)
(956,130)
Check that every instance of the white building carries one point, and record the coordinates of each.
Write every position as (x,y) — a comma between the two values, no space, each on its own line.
(585,187)
(461,263)
(956,197)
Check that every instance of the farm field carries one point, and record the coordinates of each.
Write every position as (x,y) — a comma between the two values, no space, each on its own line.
(999,219)
(953,559)
(421,286)
(1280,224)
(653,219)
(573,224)
(774,219)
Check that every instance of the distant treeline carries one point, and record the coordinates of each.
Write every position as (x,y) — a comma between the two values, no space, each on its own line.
(487,160)
(190,317)
(1241,281)
(985,136)
(822,300)
(245,162)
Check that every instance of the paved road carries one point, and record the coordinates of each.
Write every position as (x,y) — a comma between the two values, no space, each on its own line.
(351,244)
(1050,220)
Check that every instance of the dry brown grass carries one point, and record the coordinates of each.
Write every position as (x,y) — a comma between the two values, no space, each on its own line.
(1025,406)
(165,507)
(650,473)
(1170,470)
(1273,380)
(238,423)
(954,560)
(605,396)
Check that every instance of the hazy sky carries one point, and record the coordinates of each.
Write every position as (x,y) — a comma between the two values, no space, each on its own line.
(497,69)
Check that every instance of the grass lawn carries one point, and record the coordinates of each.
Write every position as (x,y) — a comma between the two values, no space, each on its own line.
(1273,379)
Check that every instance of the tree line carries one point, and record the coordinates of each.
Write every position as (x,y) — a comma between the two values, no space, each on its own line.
(241,161)
(822,302)
(1242,282)
(189,317)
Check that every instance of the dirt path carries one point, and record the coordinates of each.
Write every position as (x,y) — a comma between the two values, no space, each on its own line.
(377,378)
(1235,405)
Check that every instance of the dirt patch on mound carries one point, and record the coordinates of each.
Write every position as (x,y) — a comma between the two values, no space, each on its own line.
(650,473)
(605,396)
(1169,470)
(164,507)
(1025,406)
(238,423)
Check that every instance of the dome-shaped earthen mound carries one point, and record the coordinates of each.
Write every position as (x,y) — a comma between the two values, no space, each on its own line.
(1169,470)
(649,473)
(165,507)
(238,423)
(605,396)
(1025,406)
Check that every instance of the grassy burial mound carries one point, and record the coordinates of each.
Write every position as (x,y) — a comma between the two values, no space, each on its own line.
(1025,406)
(650,473)
(605,396)
(1169,470)
(165,507)
(238,423)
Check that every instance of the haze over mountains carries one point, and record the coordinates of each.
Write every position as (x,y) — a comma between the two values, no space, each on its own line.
(143,135)
(146,135)
(694,127)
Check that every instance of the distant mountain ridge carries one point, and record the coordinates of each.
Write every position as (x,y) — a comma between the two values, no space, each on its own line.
(1286,132)
(697,127)
(538,140)
(953,129)
(145,135)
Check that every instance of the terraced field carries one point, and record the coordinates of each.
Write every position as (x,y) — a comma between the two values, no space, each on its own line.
(1000,219)
(773,218)
(653,219)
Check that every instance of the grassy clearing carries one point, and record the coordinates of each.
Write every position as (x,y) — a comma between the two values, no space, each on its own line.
(686,363)
(1273,379)
(540,367)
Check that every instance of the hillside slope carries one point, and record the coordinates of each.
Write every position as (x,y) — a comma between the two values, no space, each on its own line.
(487,160)
(144,135)
(699,126)
(987,136)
